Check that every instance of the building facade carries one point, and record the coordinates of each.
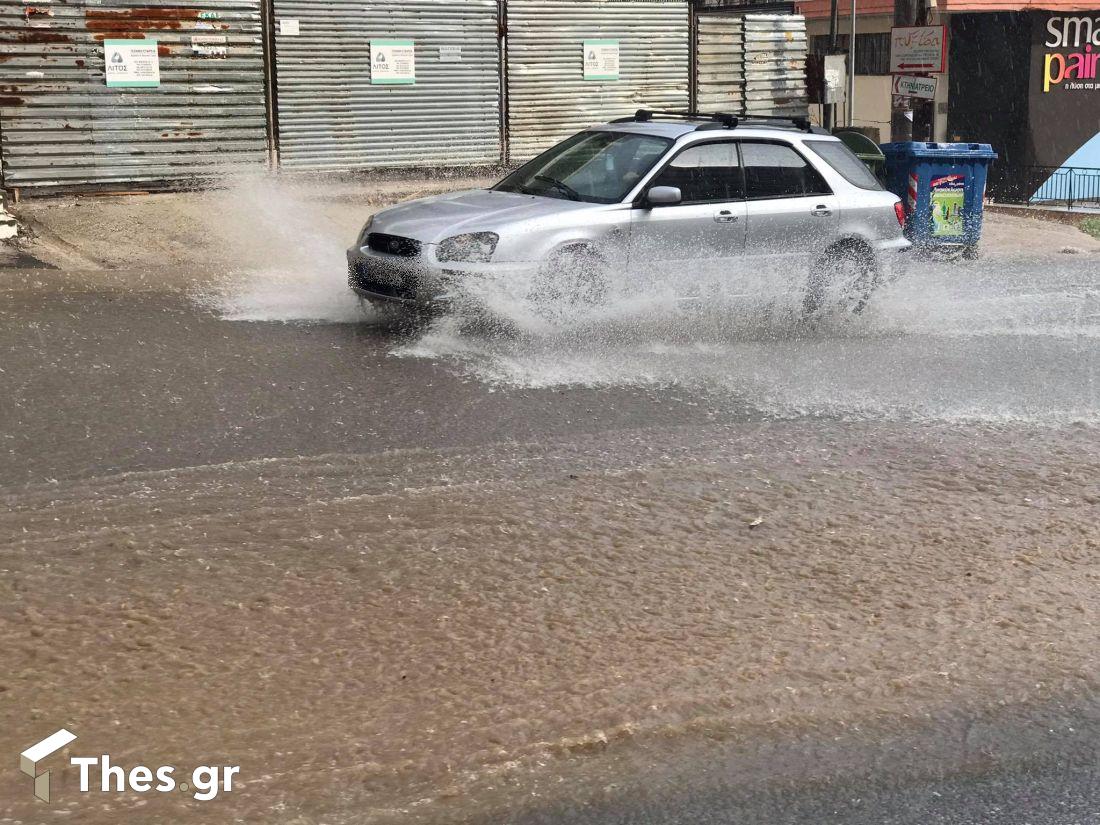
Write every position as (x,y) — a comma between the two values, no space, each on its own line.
(1020,76)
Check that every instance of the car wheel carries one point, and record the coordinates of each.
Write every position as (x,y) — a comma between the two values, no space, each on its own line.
(841,281)
(570,282)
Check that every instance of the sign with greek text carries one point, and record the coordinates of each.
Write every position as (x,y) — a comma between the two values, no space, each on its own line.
(909,86)
(601,59)
(131,63)
(392,62)
(915,49)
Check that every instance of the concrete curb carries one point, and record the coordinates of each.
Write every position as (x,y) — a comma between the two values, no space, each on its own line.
(9,227)
(1040,214)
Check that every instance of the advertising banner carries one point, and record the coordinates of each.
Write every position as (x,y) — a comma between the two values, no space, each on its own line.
(601,59)
(948,199)
(131,63)
(1064,94)
(392,62)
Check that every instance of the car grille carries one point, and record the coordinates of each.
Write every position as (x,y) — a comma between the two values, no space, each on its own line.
(393,245)
(383,280)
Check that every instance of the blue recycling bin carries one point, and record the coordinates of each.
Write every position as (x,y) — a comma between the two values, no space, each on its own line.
(942,186)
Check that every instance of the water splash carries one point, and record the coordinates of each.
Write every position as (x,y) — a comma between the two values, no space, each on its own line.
(284,252)
(998,339)
(988,341)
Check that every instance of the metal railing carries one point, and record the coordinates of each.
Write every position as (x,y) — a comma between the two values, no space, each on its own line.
(1065,186)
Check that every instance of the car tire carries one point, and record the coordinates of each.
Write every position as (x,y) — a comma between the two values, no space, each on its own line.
(571,282)
(841,282)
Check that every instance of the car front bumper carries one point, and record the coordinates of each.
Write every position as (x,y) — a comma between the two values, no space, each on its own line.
(419,282)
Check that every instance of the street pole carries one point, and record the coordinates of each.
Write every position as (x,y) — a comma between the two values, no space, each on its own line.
(901,123)
(852,67)
(828,109)
(924,110)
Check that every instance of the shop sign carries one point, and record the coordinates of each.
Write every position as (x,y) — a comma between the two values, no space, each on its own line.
(392,62)
(911,86)
(601,59)
(131,63)
(917,49)
(1060,127)
(1081,37)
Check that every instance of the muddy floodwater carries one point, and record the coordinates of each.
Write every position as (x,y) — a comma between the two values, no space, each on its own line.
(441,575)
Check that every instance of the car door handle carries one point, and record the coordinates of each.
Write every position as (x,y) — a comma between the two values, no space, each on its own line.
(821,211)
(725,216)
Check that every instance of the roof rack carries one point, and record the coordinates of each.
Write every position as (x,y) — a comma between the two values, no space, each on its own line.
(722,120)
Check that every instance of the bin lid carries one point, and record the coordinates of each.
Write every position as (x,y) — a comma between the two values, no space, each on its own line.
(863,147)
(942,151)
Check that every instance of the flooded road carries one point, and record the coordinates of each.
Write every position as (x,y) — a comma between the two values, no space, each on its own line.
(133,374)
(435,575)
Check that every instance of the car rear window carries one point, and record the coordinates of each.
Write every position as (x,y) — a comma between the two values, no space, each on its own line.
(844,161)
(775,170)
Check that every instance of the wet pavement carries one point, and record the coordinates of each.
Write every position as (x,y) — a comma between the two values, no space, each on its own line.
(679,564)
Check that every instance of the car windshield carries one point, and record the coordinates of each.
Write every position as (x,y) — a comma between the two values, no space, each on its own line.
(594,167)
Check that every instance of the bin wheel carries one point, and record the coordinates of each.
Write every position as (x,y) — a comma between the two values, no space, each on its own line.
(942,253)
(841,282)
(971,253)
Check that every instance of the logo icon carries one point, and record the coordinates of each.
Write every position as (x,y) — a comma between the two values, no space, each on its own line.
(29,759)
(116,57)
(381,58)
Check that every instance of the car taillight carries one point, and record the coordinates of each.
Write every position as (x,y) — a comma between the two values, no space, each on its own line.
(899,210)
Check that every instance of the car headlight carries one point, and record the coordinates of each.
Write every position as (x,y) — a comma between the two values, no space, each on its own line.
(475,247)
(362,239)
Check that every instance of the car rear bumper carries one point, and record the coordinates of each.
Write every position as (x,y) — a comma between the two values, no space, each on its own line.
(893,258)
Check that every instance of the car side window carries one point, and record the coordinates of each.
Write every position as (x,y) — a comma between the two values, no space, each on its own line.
(775,170)
(706,173)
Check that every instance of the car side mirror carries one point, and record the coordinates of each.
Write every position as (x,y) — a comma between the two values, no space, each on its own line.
(663,196)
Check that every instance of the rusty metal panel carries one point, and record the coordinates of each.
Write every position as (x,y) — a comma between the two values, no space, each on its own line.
(548,97)
(775,64)
(719,63)
(62,127)
(331,116)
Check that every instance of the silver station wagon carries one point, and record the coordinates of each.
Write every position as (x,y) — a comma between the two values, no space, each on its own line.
(697,205)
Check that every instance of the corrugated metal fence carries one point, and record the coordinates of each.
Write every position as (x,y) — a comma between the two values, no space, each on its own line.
(548,96)
(775,64)
(719,63)
(331,115)
(753,63)
(62,126)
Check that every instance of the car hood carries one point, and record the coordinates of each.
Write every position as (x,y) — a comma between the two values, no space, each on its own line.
(432,219)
